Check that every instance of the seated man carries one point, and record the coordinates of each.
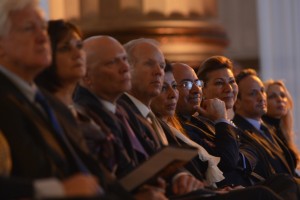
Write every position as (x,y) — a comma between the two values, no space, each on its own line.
(210,128)
(39,158)
(251,105)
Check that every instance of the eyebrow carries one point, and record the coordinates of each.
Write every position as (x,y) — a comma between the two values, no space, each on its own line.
(188,80)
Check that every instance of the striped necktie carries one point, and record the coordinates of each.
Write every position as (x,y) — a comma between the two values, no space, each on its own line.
(121,114)
(157,128)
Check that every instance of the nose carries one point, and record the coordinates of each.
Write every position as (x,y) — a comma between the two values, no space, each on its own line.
(228,87)
(158,70)
(124,65)
(173,93)
(280,98)
(77,52)
(41,33)
(195,89)
(262,96)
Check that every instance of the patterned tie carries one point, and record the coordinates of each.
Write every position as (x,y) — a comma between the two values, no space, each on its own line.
(41,100)
(157,128)
(121,114)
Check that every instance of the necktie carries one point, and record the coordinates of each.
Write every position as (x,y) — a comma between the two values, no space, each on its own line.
(265,132)
(40,99)
(158,129)
(120,113)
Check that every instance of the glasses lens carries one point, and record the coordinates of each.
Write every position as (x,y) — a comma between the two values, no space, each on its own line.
(187,84)
(199,83)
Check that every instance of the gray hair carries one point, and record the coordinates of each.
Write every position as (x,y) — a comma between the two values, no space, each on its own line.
(8,6)
(130,46)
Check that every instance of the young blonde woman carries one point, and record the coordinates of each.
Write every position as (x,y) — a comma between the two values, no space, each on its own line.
(280,113)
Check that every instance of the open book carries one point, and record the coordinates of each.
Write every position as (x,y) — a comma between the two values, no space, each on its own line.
(164,163)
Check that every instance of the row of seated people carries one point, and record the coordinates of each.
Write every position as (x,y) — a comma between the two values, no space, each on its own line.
(89,121)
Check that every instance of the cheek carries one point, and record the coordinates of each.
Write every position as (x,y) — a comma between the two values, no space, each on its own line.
(181,101)
(235,89)
(270,104)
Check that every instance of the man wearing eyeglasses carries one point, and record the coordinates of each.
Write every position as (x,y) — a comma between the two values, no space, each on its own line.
(207,124)
(147,64)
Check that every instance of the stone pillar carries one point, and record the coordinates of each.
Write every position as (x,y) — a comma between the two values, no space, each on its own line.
(279,27)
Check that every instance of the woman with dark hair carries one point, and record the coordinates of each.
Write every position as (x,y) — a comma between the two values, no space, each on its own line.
(60,79)
(164,106)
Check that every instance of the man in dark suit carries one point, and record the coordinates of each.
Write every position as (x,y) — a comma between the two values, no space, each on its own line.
(147,65)
(41,160)
(208,125)
(275,157)
(107,78)
(147,71)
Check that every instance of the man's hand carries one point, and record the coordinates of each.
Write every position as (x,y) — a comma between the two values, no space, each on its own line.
(81,185)
(185,184)
(148,192)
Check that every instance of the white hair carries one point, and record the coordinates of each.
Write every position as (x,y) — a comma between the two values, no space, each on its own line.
(8,6)
(129,47)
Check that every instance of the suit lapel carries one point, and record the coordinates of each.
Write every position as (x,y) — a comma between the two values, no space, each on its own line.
(273,149)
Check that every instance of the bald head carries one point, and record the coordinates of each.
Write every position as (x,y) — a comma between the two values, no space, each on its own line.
(95,47)
(180,68)
(189,98)
(108,70)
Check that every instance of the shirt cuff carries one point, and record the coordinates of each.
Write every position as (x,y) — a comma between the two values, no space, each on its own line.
(48,188)
(180,174)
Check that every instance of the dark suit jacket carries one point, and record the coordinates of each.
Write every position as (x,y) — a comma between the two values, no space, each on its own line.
(92,104)
(196,167)
(275,124)
(36,150)
(221,140)
(274,157)
(27,130)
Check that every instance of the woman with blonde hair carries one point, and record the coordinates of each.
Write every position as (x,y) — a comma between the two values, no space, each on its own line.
(280,113)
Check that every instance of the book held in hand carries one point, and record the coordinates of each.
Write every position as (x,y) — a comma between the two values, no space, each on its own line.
(162,164)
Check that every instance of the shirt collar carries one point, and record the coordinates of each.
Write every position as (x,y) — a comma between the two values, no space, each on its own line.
(140,106)
(254,123)
(29,90)
(108,105)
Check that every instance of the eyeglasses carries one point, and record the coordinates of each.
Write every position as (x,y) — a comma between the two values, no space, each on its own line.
(187,84)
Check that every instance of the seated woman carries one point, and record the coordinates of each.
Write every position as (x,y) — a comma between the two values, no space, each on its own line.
(164,107)
(61,79)
(280,114)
